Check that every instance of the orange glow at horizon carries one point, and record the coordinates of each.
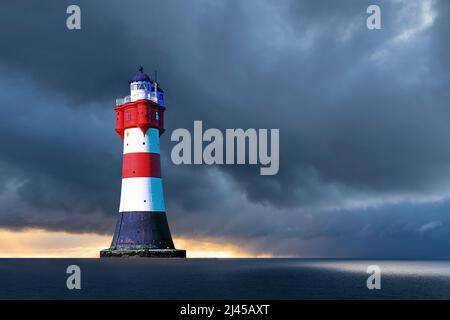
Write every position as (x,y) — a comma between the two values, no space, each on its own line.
(38,243)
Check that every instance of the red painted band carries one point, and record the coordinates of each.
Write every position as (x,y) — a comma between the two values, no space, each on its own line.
(141,164)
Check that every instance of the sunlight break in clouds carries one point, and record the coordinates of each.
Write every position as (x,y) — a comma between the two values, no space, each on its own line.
(38,243)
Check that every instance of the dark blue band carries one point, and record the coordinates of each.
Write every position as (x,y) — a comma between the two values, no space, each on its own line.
(142,229)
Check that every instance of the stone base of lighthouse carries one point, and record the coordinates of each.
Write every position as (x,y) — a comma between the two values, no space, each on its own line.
(143,253)
(142,234)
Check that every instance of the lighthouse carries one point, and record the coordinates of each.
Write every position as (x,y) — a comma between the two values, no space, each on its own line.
(142,229)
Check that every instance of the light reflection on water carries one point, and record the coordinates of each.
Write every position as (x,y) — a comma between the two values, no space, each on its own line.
(394,268)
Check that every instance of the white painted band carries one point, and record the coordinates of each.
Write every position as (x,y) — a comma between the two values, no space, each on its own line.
(142,194)
(134,141)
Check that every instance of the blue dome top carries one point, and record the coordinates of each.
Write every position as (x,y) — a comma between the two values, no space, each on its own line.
(140,76)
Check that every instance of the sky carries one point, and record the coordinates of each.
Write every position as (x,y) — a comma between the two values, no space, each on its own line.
(363,118)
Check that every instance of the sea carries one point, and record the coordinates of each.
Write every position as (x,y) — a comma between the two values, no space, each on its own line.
(199,279)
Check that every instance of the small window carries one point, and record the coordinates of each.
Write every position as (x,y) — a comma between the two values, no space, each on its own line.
(156,116)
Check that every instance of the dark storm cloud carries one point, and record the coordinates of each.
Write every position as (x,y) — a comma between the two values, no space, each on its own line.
(362,115)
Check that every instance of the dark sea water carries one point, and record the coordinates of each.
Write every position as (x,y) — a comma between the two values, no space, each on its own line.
(222,279)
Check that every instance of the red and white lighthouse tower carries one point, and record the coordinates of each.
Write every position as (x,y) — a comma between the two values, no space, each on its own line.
(142,228)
